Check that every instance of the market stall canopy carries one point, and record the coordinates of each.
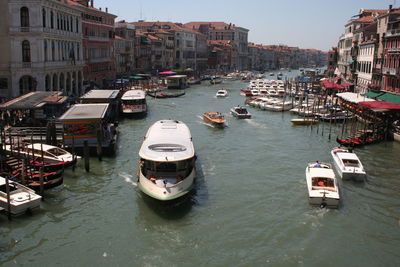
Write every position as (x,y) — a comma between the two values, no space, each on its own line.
(379,105)
(373,95)
(167,72)
(353,97)
(35,100)
(389,98)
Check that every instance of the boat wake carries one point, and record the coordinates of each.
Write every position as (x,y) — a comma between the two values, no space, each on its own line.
(128,178)
(256,124)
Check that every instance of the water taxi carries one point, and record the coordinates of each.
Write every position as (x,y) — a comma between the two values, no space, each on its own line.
(323,189)
(348,165)
(167,161)
(221,93)
(240,112)
(133,102)
(215,118)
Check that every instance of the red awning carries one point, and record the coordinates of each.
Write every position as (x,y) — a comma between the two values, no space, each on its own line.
(379,105)
(330,85)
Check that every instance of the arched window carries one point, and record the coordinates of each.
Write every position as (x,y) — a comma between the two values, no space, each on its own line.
(24,12)
(45,50)
(26,51)
(52,20)
(44,17)
(77,25)
(53,51)
(70,22)
(58,21)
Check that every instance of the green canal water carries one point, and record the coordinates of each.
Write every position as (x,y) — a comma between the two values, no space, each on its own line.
(249,206)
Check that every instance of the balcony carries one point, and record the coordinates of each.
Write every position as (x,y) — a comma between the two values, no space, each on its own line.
(393,49)
(394,32)
(26,64)
(391,71)
(98,39)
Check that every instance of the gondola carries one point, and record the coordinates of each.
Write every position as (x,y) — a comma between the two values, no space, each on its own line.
(163,95)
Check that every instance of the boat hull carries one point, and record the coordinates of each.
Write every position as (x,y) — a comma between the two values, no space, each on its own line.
(303,122)
(326,202)
(166,191)
(348,173)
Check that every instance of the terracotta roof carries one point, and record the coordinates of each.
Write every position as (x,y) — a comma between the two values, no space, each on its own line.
(214,25)
(365,19)
(166,26)
(73,3)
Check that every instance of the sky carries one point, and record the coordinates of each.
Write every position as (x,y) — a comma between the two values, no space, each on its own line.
(302,23)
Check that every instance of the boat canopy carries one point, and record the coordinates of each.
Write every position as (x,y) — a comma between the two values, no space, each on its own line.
(133,94)
(353,97)
(167,140)
(322,172)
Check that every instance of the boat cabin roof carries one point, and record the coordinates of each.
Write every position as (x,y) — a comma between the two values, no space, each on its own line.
(167,140)
(100,94)
(347,155)
(85,112)
(133,94)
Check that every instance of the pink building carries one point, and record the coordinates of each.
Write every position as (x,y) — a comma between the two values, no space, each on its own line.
(98,43)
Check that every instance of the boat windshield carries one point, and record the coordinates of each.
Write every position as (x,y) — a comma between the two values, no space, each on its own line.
(322,181)
(183,167)
(134,102)
(57,151)
(350,163)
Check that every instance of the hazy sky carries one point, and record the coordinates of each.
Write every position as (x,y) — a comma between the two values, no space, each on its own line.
(303,23)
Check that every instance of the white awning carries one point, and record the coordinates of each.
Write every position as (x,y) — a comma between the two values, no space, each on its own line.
(353,97)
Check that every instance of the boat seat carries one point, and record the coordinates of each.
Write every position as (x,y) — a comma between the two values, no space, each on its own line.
(324,188)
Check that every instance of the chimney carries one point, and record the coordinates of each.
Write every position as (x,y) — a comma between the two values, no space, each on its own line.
(100,8)
(390,8)
(106,9)
(91,3)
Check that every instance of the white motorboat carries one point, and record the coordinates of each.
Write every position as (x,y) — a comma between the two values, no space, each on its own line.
(167,161)
(240,112)
(51,154)
(133,102)
(323,189)
(221,93)
(279,106)
(22,198)
(348,165)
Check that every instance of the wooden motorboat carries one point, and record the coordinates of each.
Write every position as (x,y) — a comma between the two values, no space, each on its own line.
(215,118)
(240,112)
(323,189)
(304,121)
(347,164)
(43,154)
(165,95)
(22,198)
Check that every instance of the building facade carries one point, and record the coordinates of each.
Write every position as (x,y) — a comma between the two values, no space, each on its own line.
(98,42)
(124,48)
(216,31)
(42,42)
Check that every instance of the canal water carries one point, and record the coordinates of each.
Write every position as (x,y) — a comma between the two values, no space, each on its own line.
(249,206)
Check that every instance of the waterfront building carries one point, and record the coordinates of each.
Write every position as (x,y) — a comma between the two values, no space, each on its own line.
(348,43)
(332,61)
(41,44)
(184,41)
(222,56)
(124,48)
(98,42)
(391,52)
(366,44)
(221,31)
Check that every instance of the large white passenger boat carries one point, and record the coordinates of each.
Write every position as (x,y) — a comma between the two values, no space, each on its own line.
(133,102)
(167,161)
(348,165)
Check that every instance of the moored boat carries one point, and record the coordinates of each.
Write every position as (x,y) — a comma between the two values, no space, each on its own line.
(133,102)
(347,164)
(240,112)
(165,95)
(304,121)
(215,118)
(167,161)
(22,198)
(323,189)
